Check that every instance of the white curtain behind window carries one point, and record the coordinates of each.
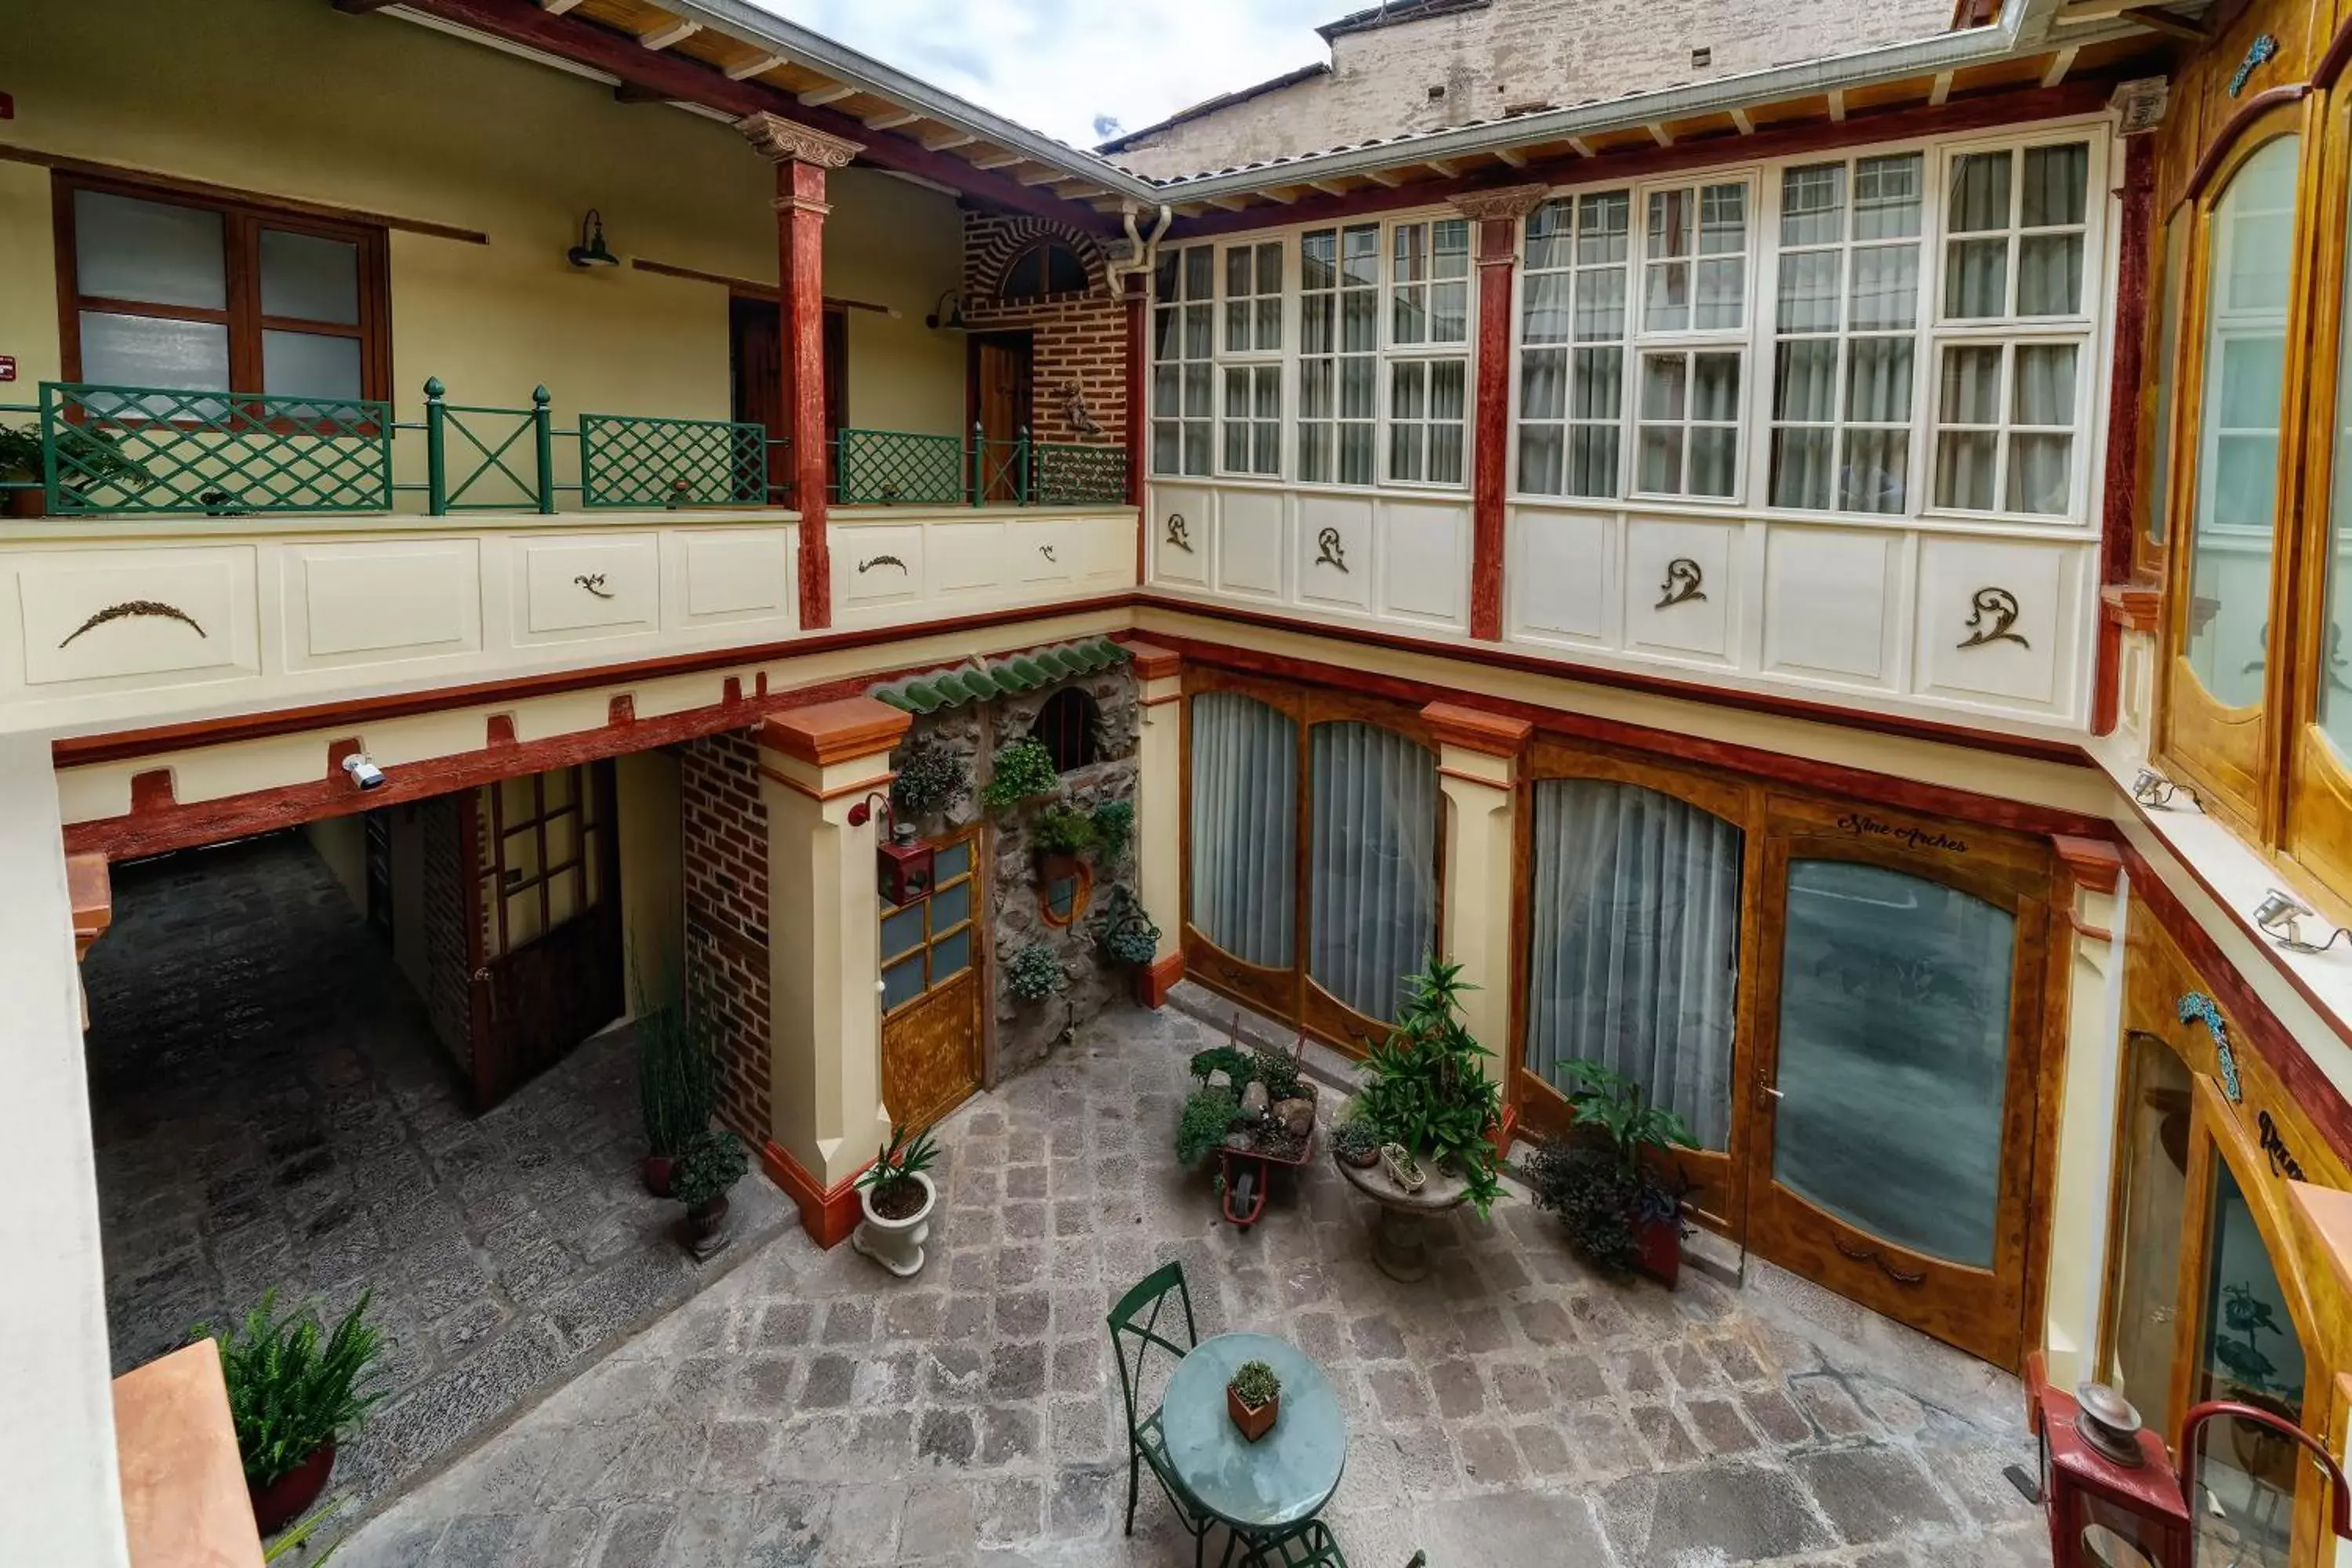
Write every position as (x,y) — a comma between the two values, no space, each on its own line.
(1245,827)
(1633,961)
(1372,862)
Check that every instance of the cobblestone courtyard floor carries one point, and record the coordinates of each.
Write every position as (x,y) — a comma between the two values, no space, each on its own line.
(1511,1409)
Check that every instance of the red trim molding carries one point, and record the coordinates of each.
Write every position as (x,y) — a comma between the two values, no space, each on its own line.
(827,1214)
(2218,150)
(1159,977)
(91,891)
(2131,607)
(2136,217)
(1475,729)
(2094,864)
(1151,661)
(825,733)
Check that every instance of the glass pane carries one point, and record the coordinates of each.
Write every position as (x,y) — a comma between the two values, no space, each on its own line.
(1197,319)
(2335,716)
(1405,385)
(1809,291)
(520,854)
(1886,196)
(1714,461)
(1359,322)
(1543,310)
(1450,246)
(1237,325)
(1634,957)
(1356,383)
(1196,391)
(1718,293)
(2233,537)
(562,897)
(1596,383)
(1542,448)
(2050,275)
(1976,279)
(2154,1181)
(1062,898)
(1237,270)
(1665,386)
(309,277)
(1602,227)
(1592,460)
(2249,1352)
(524,918)
(1658,460)
(562,840)
(1714,387)
(1878,471)
(1804,381)
(1318,255)
(1812,205)
(1269,323)
(1801,468)
(1980,193)
(1965,461)
(1549,228)
(1670,223)
(953,956)
(1885,287)
(1244,825)
(2055,185)
(902,982)
(902,929)
(1372,862)
(126,248)
(1200,277)
(1722,220)
(1970,389)
(1894,1056)
(1666,303)
(1878,380)
(1405,445)
(951,906)
(1359,256)
(307,364)
(148,351)
(2044,392)
(1356,451)
(1599,306)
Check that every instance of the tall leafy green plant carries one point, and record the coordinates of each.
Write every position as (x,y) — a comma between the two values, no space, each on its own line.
(1606,1187)
(677,1071)
(1426,1085)
(293,1386)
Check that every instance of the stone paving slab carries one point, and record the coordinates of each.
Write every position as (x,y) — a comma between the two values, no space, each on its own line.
(1512,1408)
(272,1110)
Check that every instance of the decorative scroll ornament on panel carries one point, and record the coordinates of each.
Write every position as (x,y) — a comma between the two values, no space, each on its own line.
(136,609)
(1991,613)
(1682,583)
(1178,533)
(1330,551)
(594,582)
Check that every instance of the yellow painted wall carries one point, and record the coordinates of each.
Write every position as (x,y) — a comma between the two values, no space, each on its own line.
(342,843)
(653,907)
(292,98)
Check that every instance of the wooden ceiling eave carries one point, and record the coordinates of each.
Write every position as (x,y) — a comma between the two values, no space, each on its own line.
(698,67)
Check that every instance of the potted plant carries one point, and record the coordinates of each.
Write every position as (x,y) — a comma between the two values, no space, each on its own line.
(1022,771)
(1032,972)
(1426,1088)
(1063,838)
(1124,935)
(929,780)
(20,466)
(294,1390)
(705,1171)
(678,1086)
(1114,823)
(1605,1181)
(1355,1140)
(1254,1398)
(898,1197)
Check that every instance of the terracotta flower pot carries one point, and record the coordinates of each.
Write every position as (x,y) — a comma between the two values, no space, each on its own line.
(289,1497)
(28,504)
(1252,1424)
(654,1171)
(1661,1244)
(1053,867)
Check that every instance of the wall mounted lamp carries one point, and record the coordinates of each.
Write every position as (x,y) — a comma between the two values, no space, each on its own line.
(2153,789)
(946,313)
(2277,917)
(591,250)
(903,859)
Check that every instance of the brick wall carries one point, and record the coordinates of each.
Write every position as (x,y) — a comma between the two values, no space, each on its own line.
(1514,55)
(448,989)
(1080,337)
(725,827)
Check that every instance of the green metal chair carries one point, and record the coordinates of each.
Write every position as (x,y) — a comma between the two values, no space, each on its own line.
(1135,1333)
(1311,1545)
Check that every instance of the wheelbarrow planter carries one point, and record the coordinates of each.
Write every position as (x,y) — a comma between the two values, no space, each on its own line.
(1245,1174)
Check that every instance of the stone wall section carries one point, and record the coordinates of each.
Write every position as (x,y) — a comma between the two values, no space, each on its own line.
(1028,1031)
(1080,337)
(1515,55)
(724,825)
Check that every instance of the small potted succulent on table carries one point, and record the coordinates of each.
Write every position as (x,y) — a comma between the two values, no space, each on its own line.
(898,1198)
(294,1391)
(1254,1398)
(1355,1140)
(700,1177)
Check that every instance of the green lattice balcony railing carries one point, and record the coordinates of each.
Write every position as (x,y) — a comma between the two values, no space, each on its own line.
(1062,474)
(897,468)
(628,461)
(148,451)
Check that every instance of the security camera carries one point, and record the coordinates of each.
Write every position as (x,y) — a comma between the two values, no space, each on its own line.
(364,773)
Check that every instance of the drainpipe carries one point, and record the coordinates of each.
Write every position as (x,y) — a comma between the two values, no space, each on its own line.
(1116,273)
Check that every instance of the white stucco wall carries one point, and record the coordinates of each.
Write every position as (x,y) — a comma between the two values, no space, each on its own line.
(1515,54)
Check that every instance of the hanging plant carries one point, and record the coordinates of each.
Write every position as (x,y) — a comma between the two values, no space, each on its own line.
(1124,935)
(1114,822)
(1059,831)
(931,779)
(1022,771)
(1033,973)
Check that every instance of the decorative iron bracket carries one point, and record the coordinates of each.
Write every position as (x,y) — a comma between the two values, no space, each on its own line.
(1178,533)
(1682,583)
(593,582)
(1330,551)
(872,562)
(133,609)
(2000,605)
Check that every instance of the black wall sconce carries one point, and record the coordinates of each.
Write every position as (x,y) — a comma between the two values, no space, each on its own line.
(591,250)
(946,313)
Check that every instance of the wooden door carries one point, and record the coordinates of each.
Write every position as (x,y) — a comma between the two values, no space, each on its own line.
(1897,1053)
(755,359)
(932,991)
(545,935)
(1002,366)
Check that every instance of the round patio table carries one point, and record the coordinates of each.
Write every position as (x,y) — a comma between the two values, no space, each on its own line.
(1284,1479)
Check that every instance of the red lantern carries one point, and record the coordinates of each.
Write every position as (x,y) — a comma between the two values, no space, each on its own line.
(905,866)
(2108,1489)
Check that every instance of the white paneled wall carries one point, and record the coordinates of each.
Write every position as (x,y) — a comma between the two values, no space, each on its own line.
(1394,560)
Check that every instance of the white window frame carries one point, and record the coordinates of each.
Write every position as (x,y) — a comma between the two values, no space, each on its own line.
(1693,339)
(1689,351)
(1254,246)
(1181,419)
(1263,438)
(1568,347)
(1338,421)
(2005,428)
(1427,354)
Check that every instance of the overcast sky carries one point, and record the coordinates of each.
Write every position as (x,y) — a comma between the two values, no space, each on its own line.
(1069,67)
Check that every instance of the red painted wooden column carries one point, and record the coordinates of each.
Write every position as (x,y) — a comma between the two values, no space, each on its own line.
(1137,432)
(1497,215)
(802,156)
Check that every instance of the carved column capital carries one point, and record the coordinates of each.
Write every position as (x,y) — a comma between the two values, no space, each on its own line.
(1505,201)
(783,141)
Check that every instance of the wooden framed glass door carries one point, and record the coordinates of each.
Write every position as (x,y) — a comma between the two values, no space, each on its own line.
(1898,1045)
(932,991)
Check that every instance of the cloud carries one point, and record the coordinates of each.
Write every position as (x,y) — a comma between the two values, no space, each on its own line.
(1062,66)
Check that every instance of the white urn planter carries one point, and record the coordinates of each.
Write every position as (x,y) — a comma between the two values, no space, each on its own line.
(896,1243)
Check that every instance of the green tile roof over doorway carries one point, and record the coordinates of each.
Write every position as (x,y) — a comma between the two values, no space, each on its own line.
(983,679)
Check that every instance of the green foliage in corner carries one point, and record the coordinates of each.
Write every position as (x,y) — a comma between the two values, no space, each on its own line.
(293,1386)
(1033,973)
(1058,830)
(1023,771)
(929,780)
(1203,1123)
(712,1162)
(1427,1086)
(1114,823)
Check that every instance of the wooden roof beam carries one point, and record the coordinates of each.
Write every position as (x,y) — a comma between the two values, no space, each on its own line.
(1328,187)
(992,160)
(1660,134)
(672,32)
(1511,155)
(1388,177)
(892,120)
(945,140)
(1740,123)
(2157,21)
(818,97)
(1837,106)
(2060,64)
(758,65)
(557,7)
(1940,90)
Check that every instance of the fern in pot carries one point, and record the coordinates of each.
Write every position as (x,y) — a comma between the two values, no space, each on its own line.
(294,1390)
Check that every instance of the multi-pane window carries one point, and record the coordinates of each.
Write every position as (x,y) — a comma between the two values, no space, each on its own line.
(1845,324)
(543,863)
(1339,353)
(1253,297)
(1182,349)
(2005,410)
(928,942)
(1688,423)
(1429,313)
(1695,259)
(1253,419)
(1572,321)
(183,293)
